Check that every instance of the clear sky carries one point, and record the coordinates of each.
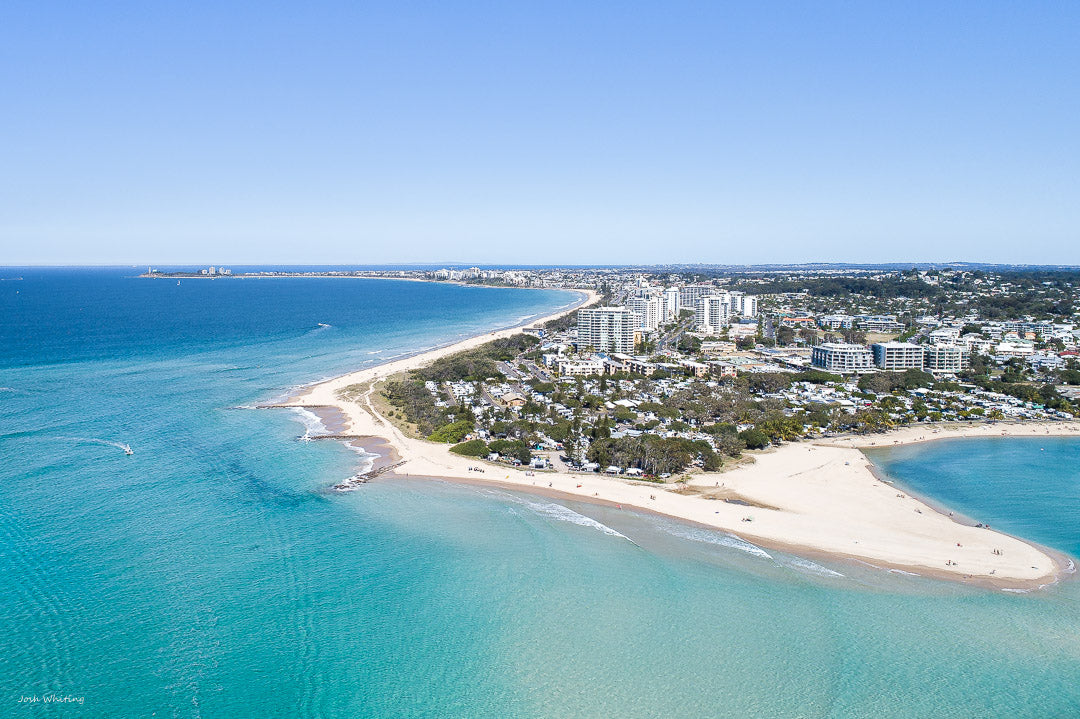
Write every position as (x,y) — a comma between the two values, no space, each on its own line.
(539,132)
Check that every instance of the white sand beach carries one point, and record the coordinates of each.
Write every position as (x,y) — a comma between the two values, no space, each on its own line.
(810,497)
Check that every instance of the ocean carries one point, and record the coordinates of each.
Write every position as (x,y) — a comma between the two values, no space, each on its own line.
(211,574)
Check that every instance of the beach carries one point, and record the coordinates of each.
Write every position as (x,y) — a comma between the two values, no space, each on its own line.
(813,497)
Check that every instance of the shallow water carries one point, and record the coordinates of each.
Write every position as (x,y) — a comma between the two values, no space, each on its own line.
(211,575)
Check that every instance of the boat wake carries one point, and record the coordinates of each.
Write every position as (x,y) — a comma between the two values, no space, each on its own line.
(125,448)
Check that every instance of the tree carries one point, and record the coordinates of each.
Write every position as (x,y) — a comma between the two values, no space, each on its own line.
(472,448)
(452,432)
(754,438)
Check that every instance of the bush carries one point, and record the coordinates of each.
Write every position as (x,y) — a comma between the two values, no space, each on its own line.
(652,454)
(453,432)
(885,382)
(472,448)
(512,448)
(754,438)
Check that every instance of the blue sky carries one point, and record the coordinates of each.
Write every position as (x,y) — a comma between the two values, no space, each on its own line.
(573,132)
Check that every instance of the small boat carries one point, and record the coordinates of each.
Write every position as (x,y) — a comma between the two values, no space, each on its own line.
(128,450)
(178,282)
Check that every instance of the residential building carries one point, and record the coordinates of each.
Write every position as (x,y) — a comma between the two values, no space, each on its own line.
(842,358)
(882,324)
(583,368)
(690,294)
(748,305)
(650,312)
(671,304)
(898,356)
(606,329)
(712,313)
(944,335)
(836,322)
(945,359)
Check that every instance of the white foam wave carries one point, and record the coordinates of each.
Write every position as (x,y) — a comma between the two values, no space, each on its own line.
(310,420)
(720,539)
(901,571)
(805,565)
(367,458)
(559,513)
(564,514)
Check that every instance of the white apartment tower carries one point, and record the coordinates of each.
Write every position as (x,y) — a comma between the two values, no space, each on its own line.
(842,358)
(671,304)
(748,306)
(713,313)
(690,294)
(946,359)
(649,310)
(606,329)
(896,356)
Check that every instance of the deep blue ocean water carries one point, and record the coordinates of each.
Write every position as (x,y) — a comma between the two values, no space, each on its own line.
(211,575)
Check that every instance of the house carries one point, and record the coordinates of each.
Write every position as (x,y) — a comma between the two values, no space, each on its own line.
(512,399)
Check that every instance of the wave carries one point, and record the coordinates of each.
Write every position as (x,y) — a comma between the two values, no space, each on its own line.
(559,513)
(708,536)
(901,571)
(367,458)
(564,514)
(312,424)
(808,567)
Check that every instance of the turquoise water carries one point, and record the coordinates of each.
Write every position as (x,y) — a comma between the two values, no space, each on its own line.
(1027,486)
(210,575)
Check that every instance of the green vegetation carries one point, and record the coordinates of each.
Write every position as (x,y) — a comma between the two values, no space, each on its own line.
(478,363)
(754,438)
(472,448)
(652,454)
(512,448)
(885,382)
(452,432)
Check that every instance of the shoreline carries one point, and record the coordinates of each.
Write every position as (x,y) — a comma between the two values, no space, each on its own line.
(814,498)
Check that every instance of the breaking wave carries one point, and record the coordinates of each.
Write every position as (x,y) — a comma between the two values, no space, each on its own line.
(720,539)
(312,424)
(808,567)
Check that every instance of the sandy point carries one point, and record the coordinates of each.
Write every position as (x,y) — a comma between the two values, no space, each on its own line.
(820,497)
